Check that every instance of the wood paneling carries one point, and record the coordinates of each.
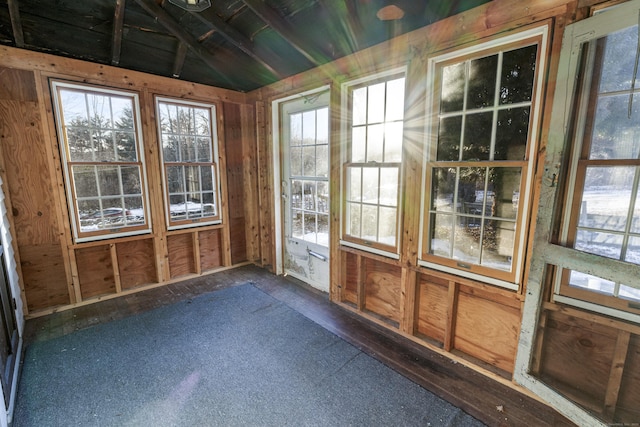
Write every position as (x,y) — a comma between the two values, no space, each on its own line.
(382,289)
(350,277)
(44,276)
(136,263)
(432,307)
(181,254)
(210,249)
(17,85)
(95,271)
(628,408)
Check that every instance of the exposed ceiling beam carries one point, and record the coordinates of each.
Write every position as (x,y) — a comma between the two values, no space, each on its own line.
(233,36)
(16,23)
(178,62)
(167,21)
(275,21)
(116,42)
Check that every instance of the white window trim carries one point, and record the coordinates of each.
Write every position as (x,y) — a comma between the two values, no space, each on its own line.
(215,160)
(344,136)
(536,113)
(71,205)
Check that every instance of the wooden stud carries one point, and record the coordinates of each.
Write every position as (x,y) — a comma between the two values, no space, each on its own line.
(116,268)
(408,300)
(361,292)
(195,236)
(452,309)
(615,377)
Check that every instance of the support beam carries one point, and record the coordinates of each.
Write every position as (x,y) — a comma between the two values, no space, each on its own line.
(275,21)
(233,36)
(16,24)
(116,42)
(178,62)
(167,21)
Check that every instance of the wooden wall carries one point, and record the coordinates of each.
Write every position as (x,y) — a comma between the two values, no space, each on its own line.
(58,272)
(587,357)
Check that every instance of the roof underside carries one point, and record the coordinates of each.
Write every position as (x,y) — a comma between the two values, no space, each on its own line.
(234,44)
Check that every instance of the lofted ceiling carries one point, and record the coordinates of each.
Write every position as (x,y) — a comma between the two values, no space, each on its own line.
(234,44)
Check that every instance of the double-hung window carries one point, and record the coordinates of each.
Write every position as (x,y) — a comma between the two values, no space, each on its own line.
(478,174)
(104,168)
(189,151)
(602,209)
(372,160)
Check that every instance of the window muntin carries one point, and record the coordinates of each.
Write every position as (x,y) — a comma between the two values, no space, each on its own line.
(189,148)
(104,169)
(478,165)
(371,172)
(309,169)
(604,203)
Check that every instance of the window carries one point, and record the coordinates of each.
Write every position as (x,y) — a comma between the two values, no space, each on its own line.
(478,168)
(371,173)
(104,168)
(603,203)
(189,149)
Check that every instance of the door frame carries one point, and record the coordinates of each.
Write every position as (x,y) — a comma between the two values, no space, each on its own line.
(276,143)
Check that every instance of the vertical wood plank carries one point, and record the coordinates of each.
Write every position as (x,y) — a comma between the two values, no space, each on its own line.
(408,300)
(336,268)
(361,292)
(265,180)
(224,188)
(452,309)
(195,240)
(250,182)
(116,268)
(615,377)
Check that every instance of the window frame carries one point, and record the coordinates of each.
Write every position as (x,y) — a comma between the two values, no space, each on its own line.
(80,236)
(347,88)
(580,108)
(213,108)
(521,39)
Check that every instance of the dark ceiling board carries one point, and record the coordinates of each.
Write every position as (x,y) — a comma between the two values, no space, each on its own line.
(178,63)
(275,21)
(118,22)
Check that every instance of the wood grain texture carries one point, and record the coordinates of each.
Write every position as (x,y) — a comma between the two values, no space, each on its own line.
(96,276)
(628,408)
(210,249)
(45,281)
(136,263)
(382,289)
(432,305)
(181,261)
(350,277)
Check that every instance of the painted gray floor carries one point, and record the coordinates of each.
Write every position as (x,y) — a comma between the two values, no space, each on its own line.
(234,357)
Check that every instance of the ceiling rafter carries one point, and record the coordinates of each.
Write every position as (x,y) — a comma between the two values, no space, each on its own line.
(118,23)
(16,23)
(233,36)
(167,21)
(277,23)
(178,62)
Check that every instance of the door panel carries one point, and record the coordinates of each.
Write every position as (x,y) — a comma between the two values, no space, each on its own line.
(305,189)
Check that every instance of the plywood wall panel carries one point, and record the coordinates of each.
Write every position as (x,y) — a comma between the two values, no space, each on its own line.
(181,256)
(432,303)
(17,85)
(210,249)
(136,263)
(96,276)
(487,330)
(576,357)
(382,289)
(628,408)
(350,277)
(44,276)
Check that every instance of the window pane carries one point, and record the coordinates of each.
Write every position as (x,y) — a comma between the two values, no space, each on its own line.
(309,189)
(295,128)
(358,144)
(389,186)
(635,222)
(85,180)
(175,179)
(452,96)
(359,113)
(497,244)
(309,227)
(80,144)
(443,187)
(322,201)
(593,283)
(606,197)
(354,219)
(99,110)
(618,64)
(376,103)
(296,161)
(323,230)
(370,223)
(375,139)
(122,109)
(354,176)
(131,183)
(466,245)
(477,136)
(604,244)
(387,226)
(309,127)
(296,224)
(449,134)
(482,82)
(322,160)
(177,207)
(309,160)
(207,177)
(471,190)
(395,100)
(188,149)
(518,69)
(203,149)
(370,185)
(442,228)
(512,134)
(109,180)
(322,131)
(202,122)
(505,183)
(126,146)
(170,148)
(633,250)
(393,142)
(615,135)
(74,107)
